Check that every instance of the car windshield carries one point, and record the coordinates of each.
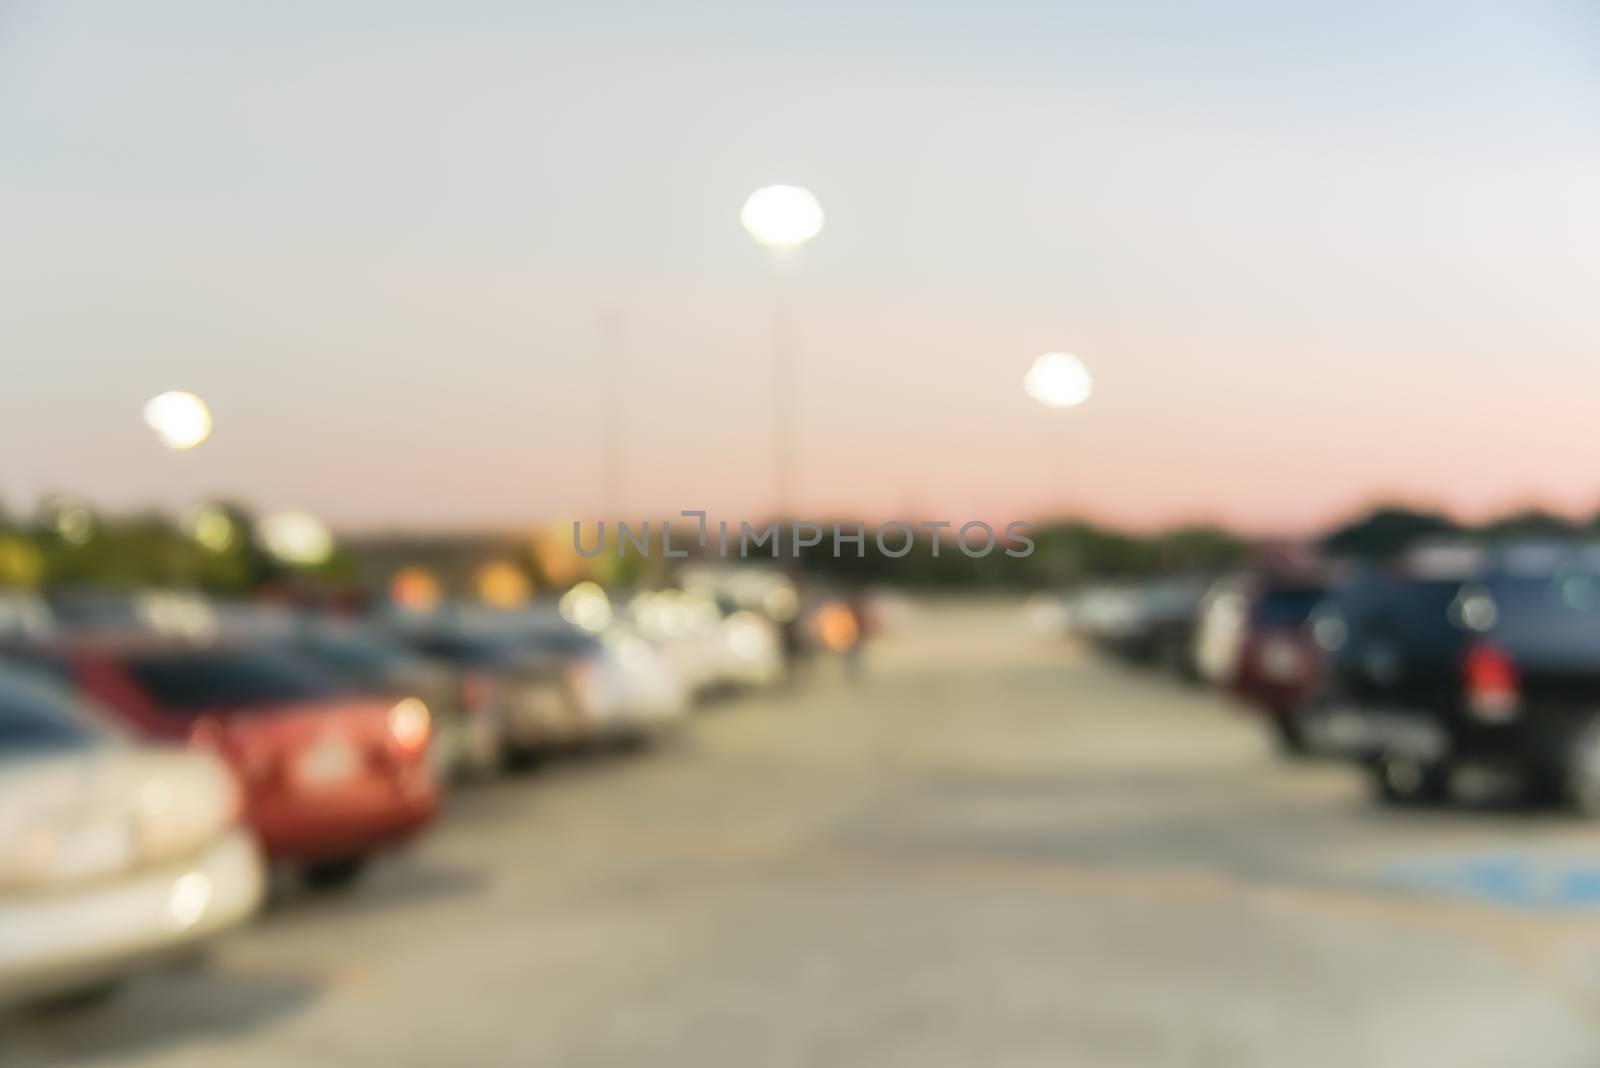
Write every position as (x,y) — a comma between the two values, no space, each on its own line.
(36,717)
(216,680)
(357,655)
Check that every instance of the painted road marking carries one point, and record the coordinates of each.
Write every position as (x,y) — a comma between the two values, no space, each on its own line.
(1528,881)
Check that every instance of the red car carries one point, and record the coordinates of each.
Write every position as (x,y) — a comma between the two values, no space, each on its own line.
(1279,665)
(328,776)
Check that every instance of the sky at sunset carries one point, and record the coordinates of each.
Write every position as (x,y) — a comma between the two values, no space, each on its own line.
(1315,256)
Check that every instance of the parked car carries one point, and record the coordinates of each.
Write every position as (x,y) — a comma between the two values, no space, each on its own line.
(329,776)
(112,855)
(24,615)
(526,693)
(176,613)
(1147,623)
(466,729)
(1104,613)
(621,686)
(1169,610)
(649,693)
(1278,664)
(1221,624)
(685,627)
(1491,661)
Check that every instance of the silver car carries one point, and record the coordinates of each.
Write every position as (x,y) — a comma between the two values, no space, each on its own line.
(112,855)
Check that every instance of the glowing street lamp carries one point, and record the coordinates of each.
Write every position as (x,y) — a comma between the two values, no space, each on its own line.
(181,420)
(782,217)
(1058,380)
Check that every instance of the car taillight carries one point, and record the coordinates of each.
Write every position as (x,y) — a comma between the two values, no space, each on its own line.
(409,724)
(1493,684)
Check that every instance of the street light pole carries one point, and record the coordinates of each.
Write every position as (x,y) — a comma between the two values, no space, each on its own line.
(782,217)
(1058,380)
(783,401)
(612,336)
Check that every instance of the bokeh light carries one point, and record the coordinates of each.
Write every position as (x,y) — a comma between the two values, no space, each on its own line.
(415,588)
(297,538)
(587,606)
(503,585)
(212,529)
(782,216)
(181,420)
(1058,380)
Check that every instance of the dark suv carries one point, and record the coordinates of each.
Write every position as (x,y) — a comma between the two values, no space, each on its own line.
(1470,658)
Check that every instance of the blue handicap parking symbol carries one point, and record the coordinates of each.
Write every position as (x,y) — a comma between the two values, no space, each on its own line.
(1517,880)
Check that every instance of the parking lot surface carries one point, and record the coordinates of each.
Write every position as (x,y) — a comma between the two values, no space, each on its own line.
(991,849)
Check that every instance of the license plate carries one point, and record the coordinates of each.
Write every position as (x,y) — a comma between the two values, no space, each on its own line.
(1282,661)
(1399,733)
(332,761)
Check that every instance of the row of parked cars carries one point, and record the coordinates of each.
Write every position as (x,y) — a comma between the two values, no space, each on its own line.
(1444,663)
(163,757)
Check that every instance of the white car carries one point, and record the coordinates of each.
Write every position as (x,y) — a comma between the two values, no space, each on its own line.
(751,650)
(637,681)
(707,649)
(1220,627)
(25,616)
(112,855)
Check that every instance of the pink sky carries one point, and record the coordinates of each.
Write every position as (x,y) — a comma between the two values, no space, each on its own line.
(1311,265)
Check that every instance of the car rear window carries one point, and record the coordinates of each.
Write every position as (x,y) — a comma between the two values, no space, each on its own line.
(1288,606)
(562,641)
(469,650)
(1550,616)
(218,680)
(1570,592)
(39,718)
(358,655)
(1414,617)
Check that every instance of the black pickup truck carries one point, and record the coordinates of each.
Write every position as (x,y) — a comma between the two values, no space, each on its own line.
(1485,658)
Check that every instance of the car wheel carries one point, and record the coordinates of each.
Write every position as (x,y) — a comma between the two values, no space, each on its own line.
(1403,780)
(484,756)
(334,874)
(81,999)
(1583,770)
(519,758)
(1289,734)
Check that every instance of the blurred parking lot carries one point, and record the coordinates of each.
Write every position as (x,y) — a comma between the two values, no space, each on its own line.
(991,848)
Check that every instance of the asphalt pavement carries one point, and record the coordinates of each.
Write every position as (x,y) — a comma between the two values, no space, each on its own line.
(992,849)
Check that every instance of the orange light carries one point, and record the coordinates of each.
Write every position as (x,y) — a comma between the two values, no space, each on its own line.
(558,560)
(414,588)
(503,585)
(836,627)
